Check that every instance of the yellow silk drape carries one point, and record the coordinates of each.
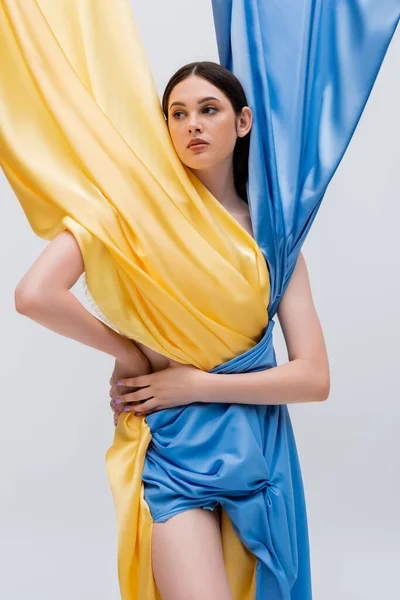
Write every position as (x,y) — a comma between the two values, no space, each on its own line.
(85,147)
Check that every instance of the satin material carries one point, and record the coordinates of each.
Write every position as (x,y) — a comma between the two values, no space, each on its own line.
(244,458)
(308,67)
(90,152)
(85,146)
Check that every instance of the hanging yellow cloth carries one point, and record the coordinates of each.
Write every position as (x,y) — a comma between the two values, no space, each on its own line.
(85,147)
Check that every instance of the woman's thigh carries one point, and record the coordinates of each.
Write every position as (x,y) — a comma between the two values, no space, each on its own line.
(187,557)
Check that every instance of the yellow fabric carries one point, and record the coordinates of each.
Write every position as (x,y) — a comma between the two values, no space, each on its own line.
(85,147)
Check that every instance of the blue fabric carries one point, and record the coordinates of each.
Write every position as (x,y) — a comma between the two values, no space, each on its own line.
(244,457)
(307,68)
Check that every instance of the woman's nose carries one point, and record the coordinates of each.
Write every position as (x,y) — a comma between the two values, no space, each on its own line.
(194,125)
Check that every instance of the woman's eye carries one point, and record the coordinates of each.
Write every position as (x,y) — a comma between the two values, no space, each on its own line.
(177,114)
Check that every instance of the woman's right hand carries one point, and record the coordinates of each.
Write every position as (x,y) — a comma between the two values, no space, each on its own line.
(122,371)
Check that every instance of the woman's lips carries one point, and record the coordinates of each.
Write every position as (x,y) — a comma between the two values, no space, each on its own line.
(198,147)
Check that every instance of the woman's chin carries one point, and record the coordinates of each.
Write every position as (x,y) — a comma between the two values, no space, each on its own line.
(199,162)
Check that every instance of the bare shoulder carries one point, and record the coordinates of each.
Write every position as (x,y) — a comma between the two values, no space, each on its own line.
(299,319)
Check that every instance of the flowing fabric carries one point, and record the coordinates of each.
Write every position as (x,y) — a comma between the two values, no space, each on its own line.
(308,67)
(85,146)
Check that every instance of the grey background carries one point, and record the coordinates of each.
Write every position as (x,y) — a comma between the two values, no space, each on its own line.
(58,535)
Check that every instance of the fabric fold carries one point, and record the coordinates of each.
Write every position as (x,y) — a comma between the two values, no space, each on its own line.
(85,147)
(308,68)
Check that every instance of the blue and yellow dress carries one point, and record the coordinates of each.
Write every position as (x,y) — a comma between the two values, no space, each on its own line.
(85,147)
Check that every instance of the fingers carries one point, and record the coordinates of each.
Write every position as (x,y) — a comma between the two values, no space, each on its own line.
(114,392)
(119,408)
(137,396)
(146,408)
(143,409)
(125,399)
(126,394)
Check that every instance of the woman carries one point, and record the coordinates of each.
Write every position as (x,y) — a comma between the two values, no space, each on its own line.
(177,267)
(202,101)
(224,120)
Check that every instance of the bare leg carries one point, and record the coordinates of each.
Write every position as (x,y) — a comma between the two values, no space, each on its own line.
(187,557)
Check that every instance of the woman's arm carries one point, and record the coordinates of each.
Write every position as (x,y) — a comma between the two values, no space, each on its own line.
(305,378)
(43,295)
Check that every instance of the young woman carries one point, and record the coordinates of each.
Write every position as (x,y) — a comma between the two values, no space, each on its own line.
(210,124)
(176,259)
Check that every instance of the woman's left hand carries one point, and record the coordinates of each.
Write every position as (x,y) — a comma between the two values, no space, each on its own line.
(173,386)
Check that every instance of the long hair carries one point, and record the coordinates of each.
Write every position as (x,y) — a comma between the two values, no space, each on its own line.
(230,85)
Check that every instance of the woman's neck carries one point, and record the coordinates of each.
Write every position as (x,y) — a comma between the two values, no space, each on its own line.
(219,181)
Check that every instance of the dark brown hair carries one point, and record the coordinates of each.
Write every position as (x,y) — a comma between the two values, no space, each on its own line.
(230,85)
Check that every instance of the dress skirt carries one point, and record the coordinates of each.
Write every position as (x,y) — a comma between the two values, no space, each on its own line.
(243,457)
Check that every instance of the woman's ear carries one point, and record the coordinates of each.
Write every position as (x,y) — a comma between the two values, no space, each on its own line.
(244,122)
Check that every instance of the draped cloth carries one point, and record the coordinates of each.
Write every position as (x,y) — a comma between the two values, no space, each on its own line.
(85,147)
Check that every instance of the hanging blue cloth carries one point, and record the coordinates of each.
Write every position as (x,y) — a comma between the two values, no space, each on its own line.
(307,68)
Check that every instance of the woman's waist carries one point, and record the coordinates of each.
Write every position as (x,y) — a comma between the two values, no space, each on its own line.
(259,357)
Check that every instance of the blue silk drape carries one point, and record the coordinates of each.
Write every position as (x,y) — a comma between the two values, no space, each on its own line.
(307,67)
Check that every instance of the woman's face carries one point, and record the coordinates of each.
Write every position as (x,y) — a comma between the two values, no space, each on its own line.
(198,109)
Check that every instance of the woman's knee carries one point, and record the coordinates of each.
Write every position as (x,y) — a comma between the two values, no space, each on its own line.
(187,557)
